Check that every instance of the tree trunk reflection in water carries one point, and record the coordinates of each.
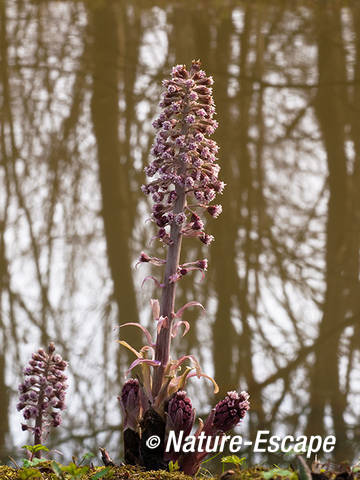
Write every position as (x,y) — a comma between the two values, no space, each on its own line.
(113,173)
(6,149)
(354,197)
(330,108)
(223,255)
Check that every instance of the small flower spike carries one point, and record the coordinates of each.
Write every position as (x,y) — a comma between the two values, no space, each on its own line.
(230,411)
(225,416)
(42,393)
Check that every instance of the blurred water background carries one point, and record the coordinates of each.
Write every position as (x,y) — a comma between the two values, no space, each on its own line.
(80,83)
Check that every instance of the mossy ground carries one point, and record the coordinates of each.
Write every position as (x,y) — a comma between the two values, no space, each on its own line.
(133,473)
(114,473)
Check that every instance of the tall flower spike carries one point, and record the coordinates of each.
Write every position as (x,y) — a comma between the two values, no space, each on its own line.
(184,181)
(183,184)
(42,394)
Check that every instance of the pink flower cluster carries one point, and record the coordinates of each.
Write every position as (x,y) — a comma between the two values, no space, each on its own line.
(42,393)
(184,156)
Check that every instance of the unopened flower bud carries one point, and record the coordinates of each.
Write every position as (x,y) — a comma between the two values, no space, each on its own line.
(49,391)
(198,225)
(180,218)
(144,257)
(230,410)
(214,210)
(180,414)
(190,119)
(202,264)
(206,239)
(33,396)
(56,419)
(130,403)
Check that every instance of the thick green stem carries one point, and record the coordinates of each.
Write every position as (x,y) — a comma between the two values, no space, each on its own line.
(162,349)
(163,341)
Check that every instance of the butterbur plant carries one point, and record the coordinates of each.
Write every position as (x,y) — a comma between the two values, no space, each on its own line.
(42,393)
(183,185)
